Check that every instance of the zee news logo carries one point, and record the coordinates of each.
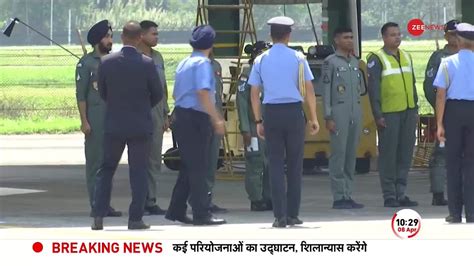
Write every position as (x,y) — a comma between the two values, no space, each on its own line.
(417,27)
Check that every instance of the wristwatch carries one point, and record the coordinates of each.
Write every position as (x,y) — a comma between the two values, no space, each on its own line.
(258,121)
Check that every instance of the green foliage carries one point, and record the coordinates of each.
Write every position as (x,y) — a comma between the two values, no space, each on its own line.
(122,11)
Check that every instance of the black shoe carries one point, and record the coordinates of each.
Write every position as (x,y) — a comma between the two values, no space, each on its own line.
(111,212)
(438,199)
(341,204)
(137,225)
(209,221)
(406,202)
(184,219)
(97,223)
(216,209)
(293,221)
(392,203)
(258,206)
(269,204)
(354,204)
(280,222)
(154,210)
(469,218)
(453,219)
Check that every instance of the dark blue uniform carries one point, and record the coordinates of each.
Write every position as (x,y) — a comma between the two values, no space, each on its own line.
(130,87)
(455,78)
(193,130)
(277,71)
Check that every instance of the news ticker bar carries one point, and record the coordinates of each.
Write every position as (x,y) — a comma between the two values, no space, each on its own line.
(149,247)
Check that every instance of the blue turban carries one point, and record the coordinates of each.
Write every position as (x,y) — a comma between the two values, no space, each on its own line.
(202,37)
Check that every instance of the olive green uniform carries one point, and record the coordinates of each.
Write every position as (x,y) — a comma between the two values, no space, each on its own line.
(159,115)
(215,140)
(438,160)
(342,86)
(257,182)
(87,91)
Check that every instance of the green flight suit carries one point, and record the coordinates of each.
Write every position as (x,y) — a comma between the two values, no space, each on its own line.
(159,115)
(438,159)
(257,181)
(87,91)
(215,140)
(342,86)
(397,140)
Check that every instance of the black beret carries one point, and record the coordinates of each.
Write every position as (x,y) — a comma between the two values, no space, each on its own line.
(451,25)
(202,37)
(98,31)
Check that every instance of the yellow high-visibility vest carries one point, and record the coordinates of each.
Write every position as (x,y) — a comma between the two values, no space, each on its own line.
(397,90)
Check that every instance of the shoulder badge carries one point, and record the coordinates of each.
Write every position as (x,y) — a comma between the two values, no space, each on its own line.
(430,73)
(326,79)
(371,64)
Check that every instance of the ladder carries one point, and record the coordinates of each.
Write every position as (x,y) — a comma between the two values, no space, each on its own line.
(246,33)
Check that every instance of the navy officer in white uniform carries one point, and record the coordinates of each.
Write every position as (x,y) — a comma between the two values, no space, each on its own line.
(287,81)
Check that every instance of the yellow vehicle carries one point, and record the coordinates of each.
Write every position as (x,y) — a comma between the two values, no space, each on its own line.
(234,24)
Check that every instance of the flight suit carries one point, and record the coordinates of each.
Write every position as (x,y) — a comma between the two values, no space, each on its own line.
(393,96)
(257,182)
(438,157)
(215,139)
(87,90)
(342,86)
(159,115)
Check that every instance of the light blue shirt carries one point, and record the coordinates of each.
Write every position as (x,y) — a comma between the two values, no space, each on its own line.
(460,68)
(276,70)
(193,73)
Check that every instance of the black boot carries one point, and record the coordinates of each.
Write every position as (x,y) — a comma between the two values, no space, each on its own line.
(438,199)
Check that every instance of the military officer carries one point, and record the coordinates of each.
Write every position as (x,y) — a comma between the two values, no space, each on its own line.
(342,86)
(454,108)
(437,161)
(159,116)
(394,102)
(215,139)
(91,106)
(257,182)
(286,79)
(195,117)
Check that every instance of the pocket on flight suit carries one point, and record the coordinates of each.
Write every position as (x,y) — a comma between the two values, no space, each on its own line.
(93,95)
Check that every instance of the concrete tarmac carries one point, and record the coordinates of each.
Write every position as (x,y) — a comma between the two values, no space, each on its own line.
(43,195)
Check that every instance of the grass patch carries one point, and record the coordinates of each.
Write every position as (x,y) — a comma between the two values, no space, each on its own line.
(55,125)
(37,87)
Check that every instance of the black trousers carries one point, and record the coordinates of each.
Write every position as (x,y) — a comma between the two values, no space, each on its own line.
(459,126)
(138,153)
(284,134)
(193,131)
